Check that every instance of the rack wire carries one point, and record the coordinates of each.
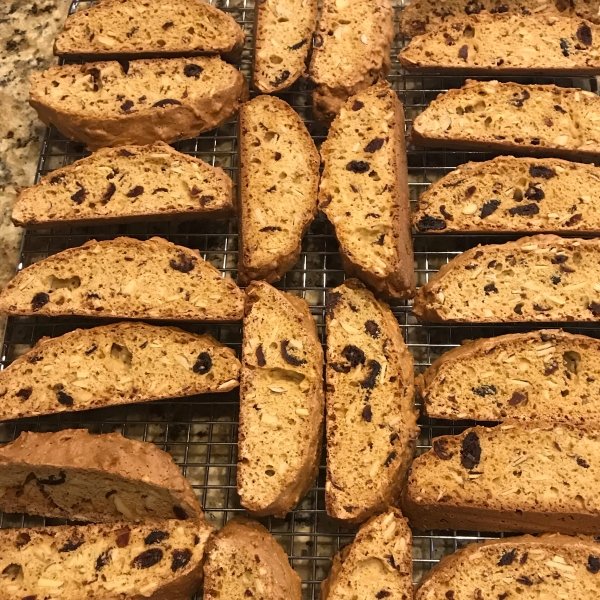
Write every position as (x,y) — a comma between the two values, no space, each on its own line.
(201,432)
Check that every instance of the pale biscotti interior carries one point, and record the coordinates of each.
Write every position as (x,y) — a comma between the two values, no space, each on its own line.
(114,364)
(547,375)
(538,278)
(279,175)
(119,560)
(371,423)
(515,194)
(134,27)
(100,478)
(127,183)
(283,38)
(281,401)
(125,278)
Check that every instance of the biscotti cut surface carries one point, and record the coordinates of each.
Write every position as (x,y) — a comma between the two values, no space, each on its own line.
(127,184)
(279,175)
(82,477)
(351,51)
(525,567)
(371,423)
(538,278)
(283,34)
(150,561)
(281,402)
(125,278)
(114,364)
(378,564)
(245,561)
(507,43)
(168,99)
(529,477)
(135,28)
(536,119)
(364,191)
(548,375)
(512,194)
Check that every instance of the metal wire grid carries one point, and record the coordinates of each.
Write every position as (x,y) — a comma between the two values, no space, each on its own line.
(201,432)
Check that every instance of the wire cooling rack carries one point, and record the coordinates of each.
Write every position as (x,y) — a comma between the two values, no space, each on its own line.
(201,432)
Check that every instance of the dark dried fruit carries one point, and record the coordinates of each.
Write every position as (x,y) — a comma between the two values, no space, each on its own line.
(541,308)
(54,479)
(490,288)
(374,145)
(367,414)
(290,358)
(559,259)
(566,269)
(358,166)
(147,559)
(159,190)
(64,398)
(127,106)
(584,34)
(525,210)
(260,356)
(298,45)
(499,9)
(354,355)
(123,539)
(524,580)
(339,368)
(524,558)
(390,458)
(555,279)
(156,537)
(124,152)
(485,390)
(474,7)
(180,513)
(109,193)
(507,558)
(440,447)
(583,463)
(79,196)
(593,565)
(519,101)
(542,171)
(370,380)
(450,594)
(429,223)
(574,220)
(22,539)
(518,398)
(203,364)
(534,193)
(445,213)
(560,109)
(564,46)
(71,545)
(166,102)
(103,559)
(138,190)
(357,105)
(489,207)
(372,328)
(24,393)
(595,308)
(551,368)
(180,559)
(463,52)
(192,70)
(281,78)
(470,453)
(332,299)
(270,228)
(184,263)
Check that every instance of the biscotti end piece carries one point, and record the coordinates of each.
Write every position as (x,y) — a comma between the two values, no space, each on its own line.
(279,174)
(125,278)
(283,33)
(371,420)
(281,402)
(131,183)
(133,28)
(538,278)
(548,374)
(363,157)
(512,194)
(529,477)
(351,51)
(168,99)
(378,564)
(245,561)
(534,119)
(112,365)
(154,560)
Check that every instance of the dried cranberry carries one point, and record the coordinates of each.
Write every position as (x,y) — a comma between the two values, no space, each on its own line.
(518,398)
(71,545)
(507,558)
(127,106)
(109,193)
(147,559)
(24,393)
(374,145)
(470,453)
(371,379)
(260,356)
(525,210)
(490,288)
(574,220)
(485,390)
(367,413)
(184,263)
(203,363)
(79,196)
(192,70)
(534,193)
(358,166)
(593,565)
(489,207)
(64,398)
(429,223)
(123,539)
(103,559)
(595,308)
(564,46)
(353,355)
(584,34)
(180,559)
(357,105)
(156,537)
(524,580)
(542,171)
(559,259)
(463,52)
(372,328)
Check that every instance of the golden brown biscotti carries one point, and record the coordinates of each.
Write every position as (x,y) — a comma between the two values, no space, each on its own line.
(512,194)
(156,560)
(103,104)
(378,564)
(125,278)
(549,566)
(112,365)
(82,477)
(281,402)
(535,119)
(371,420)
(351,51)
(135,29)
(530,477)
(131,183)
(537,278)
(548,375)
(364,191)
(279,179)
(245,561)
(283,31)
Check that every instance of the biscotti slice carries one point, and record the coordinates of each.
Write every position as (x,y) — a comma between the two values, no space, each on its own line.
(281,402)
(486,43)
(364,191)
(512,194)
(108,104)
(534,119)
(151,561)
(548,375)
(378,564)
(245,561)
(82,477)
(351,51)
(371,421)
(538,278)
(283,34)
(112,365)
(135,28)
(131,183)
(527,567)
(279,175)
(125,278)
(530,477)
